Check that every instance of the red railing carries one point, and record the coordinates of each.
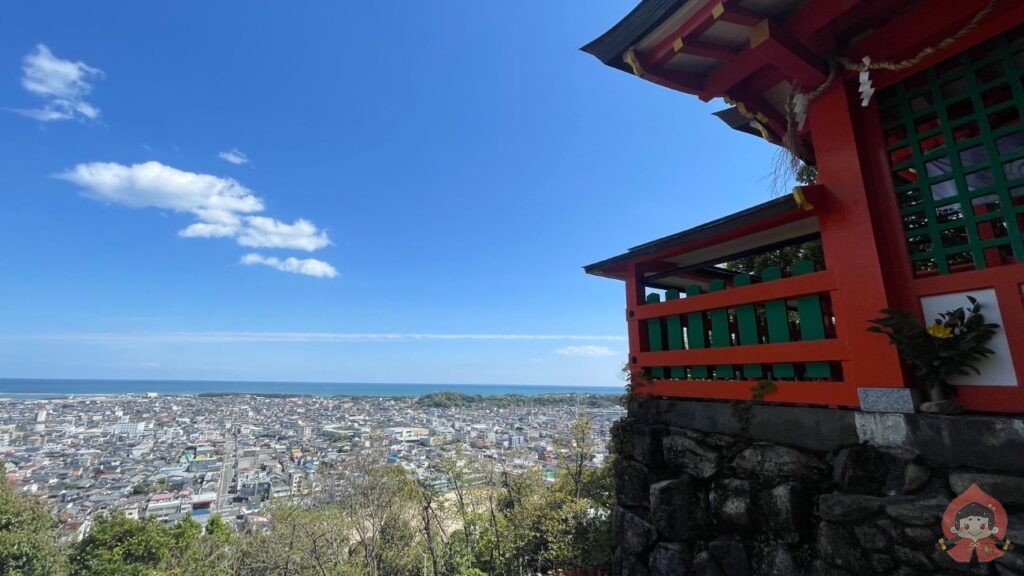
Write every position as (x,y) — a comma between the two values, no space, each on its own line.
(716,343)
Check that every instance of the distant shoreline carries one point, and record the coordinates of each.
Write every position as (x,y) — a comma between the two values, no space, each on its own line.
(25,388)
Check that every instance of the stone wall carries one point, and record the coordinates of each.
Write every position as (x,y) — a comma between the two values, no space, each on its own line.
(703,490)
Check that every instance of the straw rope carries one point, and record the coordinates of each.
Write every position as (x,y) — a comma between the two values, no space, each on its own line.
(789,161)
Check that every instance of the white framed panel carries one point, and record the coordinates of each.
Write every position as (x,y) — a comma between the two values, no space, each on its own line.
(996,370)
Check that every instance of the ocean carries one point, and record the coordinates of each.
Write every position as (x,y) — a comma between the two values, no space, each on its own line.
(55,387)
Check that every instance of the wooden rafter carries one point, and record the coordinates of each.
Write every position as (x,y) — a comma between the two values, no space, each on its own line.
(737,15)
(776,46)
(705,50)
(682,81)
(763,81)
(770,44)
(693,27)
(817,14)
(724,78)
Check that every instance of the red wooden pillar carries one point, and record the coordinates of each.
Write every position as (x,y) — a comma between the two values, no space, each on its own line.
(853,232)
(635,297)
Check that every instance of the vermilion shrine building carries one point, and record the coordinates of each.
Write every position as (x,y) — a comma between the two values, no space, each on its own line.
(919,197)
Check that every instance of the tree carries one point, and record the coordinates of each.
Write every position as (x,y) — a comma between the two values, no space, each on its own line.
(217,529)
(28,537)
(377,501)
(304,539)
(784,258)
(197,551)
(432,527)
(184,533)
(576,451)
(456,474)
(120,546)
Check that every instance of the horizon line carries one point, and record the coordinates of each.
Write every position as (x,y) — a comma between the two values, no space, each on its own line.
(166,380)
(315,337)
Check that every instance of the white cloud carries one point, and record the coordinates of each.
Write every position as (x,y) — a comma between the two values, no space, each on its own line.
(586,351)
(263,232)
(234,156)
(152,184)
(307,266)
(62,84)
(222,207)
(208,230)
(321,337)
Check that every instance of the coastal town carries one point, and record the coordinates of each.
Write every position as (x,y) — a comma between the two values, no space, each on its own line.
(231,455)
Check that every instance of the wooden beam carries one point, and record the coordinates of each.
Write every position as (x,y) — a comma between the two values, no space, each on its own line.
(734,233)
(770,45)
(682,81)
(816,283)
(763,81)
(813,351)
(687,82)
(820,393)
(722,79)
(782,50)
(706,50)
(740,16)
(817,14)
(1005,16)
(921,26)
(694,26)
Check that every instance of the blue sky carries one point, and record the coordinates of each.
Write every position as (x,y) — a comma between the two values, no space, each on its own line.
(365,192)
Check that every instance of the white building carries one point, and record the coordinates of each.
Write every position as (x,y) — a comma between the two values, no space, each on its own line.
(129,429)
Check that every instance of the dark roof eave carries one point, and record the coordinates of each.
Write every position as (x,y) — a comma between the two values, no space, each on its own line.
(645,17)
(751,215)
(737,121)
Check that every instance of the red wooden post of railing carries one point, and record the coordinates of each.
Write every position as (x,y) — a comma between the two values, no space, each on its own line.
(635,297)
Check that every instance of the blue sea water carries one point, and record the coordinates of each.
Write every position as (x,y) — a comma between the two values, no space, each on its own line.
(21,388)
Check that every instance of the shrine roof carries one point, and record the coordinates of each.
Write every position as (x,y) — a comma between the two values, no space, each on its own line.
(652,19)
(754,53)
(698,250)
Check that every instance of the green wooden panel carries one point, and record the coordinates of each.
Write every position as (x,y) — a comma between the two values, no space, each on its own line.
(959,135)
(720,333)
(674,334)
(696,333)
(746,322)
(654,337)
(778,323)
(812,322)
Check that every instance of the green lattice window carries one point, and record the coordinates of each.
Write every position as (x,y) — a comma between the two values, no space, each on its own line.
(955,140)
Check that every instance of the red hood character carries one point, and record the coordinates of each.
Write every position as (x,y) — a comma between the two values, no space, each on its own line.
(974,522)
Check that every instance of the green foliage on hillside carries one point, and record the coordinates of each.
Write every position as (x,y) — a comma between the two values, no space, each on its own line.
(28,537)
(120,546)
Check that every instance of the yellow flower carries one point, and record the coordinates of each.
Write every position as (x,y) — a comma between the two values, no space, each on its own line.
(940,331)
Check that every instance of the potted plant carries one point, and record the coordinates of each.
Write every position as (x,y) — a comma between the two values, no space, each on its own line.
(952,345)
